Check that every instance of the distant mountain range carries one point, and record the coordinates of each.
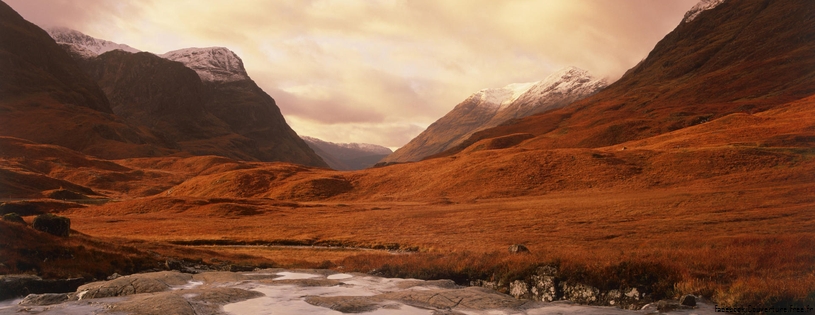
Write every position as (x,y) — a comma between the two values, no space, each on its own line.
(347,156)
(197,101)
(492,107)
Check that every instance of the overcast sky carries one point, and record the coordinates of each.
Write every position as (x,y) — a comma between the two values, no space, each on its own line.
(380,71)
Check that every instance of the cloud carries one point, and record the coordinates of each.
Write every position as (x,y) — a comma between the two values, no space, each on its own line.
(368,70)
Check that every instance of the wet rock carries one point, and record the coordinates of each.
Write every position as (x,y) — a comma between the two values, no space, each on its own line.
(133,284)
(580,293)
(12,286)
(346,304)
(158,304)
(518,249)
(44,299)
(14,218)
(688,300)
(468,298)
(52,224)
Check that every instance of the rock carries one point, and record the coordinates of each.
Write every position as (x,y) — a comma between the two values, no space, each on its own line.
(580,293)
(12,286)
(52,224)
(688,300)
(346,304)
(543,288)
(613,297)
(44,299)
(158,304)
(517,249)
(14,217)
(633,294)
(519,289)
(133,284)
(473,298)
(114,276)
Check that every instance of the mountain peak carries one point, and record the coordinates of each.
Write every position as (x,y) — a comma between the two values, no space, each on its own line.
(213,64)
(703,5)
(83,44)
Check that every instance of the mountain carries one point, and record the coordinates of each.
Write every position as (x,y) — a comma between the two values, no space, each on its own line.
(45,97)
(236,100)
(347,156)
(196,100)
(83,45)
(737,57)
(492,107)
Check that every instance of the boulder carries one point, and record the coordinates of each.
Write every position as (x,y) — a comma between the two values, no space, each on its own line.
(52,224)
(580,293)
(44,299)
(14,217)
(518,249)
(133,284)
(688,300)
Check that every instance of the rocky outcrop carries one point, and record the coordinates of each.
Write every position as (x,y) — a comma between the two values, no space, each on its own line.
(546,285)
(12,286)
(14,217)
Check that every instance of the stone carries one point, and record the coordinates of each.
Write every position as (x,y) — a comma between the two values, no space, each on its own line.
(12,286)
(633,294)
(519,289)
(518,249)
(133,284)
(580,293)
(688,300)
(52,224)
(44,299)
(543,288)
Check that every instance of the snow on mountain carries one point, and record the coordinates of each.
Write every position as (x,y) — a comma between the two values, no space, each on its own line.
(565,82)
(502,96)
(213,64)
(700,7)
(491,107)
(85,45)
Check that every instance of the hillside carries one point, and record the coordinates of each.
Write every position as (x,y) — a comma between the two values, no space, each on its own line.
(705,69)
(492,107)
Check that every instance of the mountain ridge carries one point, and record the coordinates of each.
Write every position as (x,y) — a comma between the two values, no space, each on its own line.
(492,107)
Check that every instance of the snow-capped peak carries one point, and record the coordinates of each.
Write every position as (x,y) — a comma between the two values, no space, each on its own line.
(503,96)
(562,81)
(85,45)
(703,5)
(213,64)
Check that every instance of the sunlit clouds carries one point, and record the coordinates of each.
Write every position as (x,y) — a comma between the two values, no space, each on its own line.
(381,71)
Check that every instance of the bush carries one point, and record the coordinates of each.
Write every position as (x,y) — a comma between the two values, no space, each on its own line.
(52,224)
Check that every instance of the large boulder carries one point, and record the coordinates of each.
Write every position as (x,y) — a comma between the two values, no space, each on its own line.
(52,224)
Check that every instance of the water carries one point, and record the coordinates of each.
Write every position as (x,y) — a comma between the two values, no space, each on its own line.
(287,292)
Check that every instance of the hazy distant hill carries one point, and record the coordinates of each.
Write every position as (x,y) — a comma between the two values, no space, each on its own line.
(347,156)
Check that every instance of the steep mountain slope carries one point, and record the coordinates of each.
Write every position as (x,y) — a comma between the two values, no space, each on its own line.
(236,100)
(740,56)
(204,103)
(492,107)
(347,156)
(45,97)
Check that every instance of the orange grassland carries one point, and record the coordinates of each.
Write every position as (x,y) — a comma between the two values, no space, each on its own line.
(722,209)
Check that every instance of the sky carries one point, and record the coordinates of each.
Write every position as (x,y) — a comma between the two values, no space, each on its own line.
(380,71)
